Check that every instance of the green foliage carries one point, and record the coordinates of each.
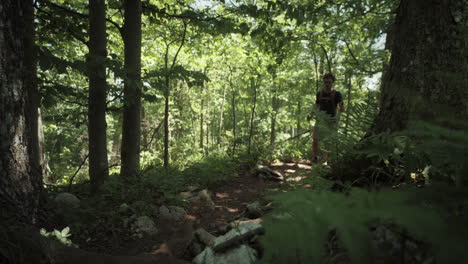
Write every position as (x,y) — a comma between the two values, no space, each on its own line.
(61,236)
(18,245)
(297,229)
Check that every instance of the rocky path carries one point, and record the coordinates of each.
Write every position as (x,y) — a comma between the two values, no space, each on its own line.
(219,224)
(215,214)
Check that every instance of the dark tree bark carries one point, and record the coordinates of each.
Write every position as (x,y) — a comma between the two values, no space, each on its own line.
(20,173)
(98,162)
(131,128)
(429,61)
(429,64)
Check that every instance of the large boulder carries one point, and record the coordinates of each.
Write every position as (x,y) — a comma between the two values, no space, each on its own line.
(240,255)
(67,201)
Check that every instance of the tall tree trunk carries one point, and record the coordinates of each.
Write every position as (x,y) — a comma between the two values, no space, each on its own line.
(131,128)
(252,113)
(428,64)
(21,178)
(98,162)
(429,61)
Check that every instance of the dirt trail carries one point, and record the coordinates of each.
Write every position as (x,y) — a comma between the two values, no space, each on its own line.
(230,198)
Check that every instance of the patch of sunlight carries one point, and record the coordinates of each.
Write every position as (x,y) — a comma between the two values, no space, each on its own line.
(222,195)
(190,217)
(304,166)
(277,164)
(238,191)
(295,179)
(290,171)
(290,164)
(232,210)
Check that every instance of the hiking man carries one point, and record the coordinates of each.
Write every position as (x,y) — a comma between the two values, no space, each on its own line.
(326,125)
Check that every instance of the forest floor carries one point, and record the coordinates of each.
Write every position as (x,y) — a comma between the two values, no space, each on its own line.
(230,198)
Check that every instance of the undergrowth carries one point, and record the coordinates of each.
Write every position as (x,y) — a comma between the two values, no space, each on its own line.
(427,166)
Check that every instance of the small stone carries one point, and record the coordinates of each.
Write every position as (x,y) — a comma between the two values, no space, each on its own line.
(145,225)
(204,195)
(205,237)
(171,212)
(254,210)
(240,255)
(185,195)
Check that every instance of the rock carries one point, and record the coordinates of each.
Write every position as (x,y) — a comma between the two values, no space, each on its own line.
(240,255)
(186,195)
(254,210)
(205,237)
(171,212)
(192,188)
(237,235)
(268,174)
(237,223)
(144,225)
(66,201)
(204,195)
(389,242)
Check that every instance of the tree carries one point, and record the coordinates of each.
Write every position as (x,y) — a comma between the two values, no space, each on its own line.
(428,60)
(98,163)
(131,129)
(428,65)
(21,178)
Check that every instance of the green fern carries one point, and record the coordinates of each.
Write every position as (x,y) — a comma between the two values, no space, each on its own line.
(296,231)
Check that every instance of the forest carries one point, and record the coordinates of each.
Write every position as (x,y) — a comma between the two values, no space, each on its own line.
(233,132)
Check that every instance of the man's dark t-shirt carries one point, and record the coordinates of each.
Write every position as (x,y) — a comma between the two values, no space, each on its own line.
(326,104)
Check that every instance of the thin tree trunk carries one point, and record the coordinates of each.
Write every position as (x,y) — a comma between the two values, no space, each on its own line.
(98,162)
(117,140)
(234,121)
(168,93)
(166,123)
(131,128)
(221,115)
(348,79)
(317,75)
(274,105)
(252,114)
(21,178)
(201,116)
